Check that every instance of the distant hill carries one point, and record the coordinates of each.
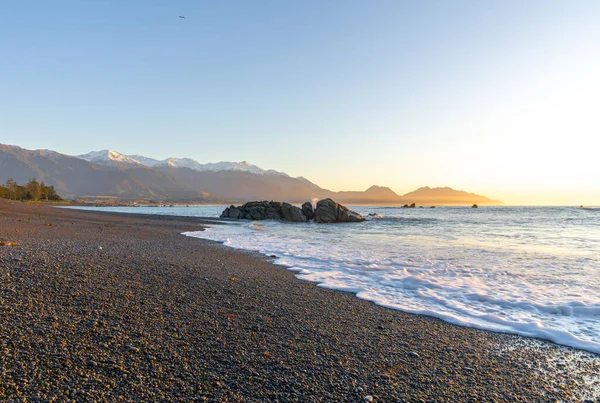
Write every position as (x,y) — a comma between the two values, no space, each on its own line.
(373,195)
(380,195)
(446,195)
(136,177)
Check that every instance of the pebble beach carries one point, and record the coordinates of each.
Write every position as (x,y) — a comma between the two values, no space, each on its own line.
(101,307)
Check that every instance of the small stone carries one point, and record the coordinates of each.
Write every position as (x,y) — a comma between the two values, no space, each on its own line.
(91,323)
(358,389)
(91,363)
(368,398)
(414,353)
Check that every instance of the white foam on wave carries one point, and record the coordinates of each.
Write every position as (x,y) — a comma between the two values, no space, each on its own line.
(460,282)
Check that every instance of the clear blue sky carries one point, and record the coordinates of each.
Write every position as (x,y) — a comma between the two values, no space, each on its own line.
(495,97)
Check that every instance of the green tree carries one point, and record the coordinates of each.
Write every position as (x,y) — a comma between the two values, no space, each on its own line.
(34,190)
(11,189)
(51,194)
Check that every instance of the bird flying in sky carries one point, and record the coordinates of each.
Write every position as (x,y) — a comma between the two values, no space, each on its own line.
(182,16)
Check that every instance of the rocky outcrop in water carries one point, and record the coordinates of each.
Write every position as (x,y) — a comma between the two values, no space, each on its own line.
(264,210)
(327,211)
(292,213)
(307,210)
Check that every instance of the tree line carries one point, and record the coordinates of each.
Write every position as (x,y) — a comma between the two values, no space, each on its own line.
(32,190)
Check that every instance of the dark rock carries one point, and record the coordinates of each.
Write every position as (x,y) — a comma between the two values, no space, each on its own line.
(264,210)
(292,213)
(307,210)
(231,212)
(256,210)
(328,211)
(134,349)
(474,206)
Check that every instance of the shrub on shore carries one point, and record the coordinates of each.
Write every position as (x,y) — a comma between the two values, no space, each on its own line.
(31,191)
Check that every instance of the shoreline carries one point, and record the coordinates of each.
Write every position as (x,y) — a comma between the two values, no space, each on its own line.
(155,315)
(533,340)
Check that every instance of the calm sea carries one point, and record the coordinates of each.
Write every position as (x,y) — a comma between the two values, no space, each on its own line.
(533,271)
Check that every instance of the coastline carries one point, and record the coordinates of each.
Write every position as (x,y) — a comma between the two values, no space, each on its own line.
(155,315)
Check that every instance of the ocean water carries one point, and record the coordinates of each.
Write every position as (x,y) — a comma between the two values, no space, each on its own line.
(532,271)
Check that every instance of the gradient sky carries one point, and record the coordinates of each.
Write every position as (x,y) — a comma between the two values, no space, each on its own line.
(500,98)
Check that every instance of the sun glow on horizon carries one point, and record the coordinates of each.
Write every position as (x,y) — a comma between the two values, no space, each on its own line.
(494,98)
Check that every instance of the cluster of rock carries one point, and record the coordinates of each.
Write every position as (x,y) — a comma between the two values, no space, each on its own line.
(264,210)
(326,211)
(414,206)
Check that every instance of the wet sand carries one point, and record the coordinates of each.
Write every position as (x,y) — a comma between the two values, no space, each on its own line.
(108,307)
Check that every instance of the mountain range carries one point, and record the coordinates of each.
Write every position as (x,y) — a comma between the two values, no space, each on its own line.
(136,177)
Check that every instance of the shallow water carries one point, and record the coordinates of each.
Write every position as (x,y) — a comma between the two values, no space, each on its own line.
(533,271)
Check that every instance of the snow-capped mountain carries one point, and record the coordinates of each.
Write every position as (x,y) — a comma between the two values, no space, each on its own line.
(180,163)
(235,166)
(149,162)
(116,159)
(243,166)
(109,158)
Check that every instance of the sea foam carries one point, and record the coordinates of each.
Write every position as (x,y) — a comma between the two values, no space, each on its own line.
(502,270)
